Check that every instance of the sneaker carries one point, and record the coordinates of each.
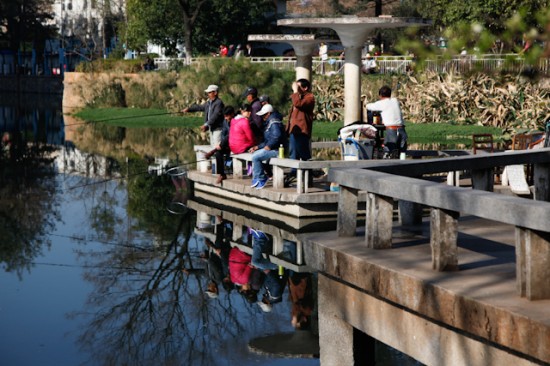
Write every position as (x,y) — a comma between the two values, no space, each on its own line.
(255,182)
(261,183)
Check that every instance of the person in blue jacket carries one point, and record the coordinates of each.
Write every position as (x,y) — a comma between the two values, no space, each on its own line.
(274,137)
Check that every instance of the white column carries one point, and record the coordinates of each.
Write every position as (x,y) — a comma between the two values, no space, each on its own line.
(352,85)
(304,62)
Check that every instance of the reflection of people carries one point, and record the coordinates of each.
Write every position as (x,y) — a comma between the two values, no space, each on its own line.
(213,114)
(274,282)
(300,288)
(274,137)
(369,65)
(390,110)
(246,278)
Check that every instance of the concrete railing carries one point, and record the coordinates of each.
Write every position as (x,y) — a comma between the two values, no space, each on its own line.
(402,181)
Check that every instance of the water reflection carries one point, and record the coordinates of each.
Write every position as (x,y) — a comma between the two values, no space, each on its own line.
(106,264)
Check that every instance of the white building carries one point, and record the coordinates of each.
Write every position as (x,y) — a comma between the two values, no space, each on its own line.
(88,21)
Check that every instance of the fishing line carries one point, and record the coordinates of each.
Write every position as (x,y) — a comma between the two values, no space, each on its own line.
(76,238)
(120,118)
(80,266)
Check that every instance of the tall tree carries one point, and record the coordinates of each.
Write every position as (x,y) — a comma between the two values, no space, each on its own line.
(26,22)
(199,24)
(492,14)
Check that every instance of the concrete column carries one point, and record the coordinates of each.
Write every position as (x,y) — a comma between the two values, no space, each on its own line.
(533,264)
(379,221)
(335,334)
(541,177)
(443,239)
(304,61)
(347,211)
(483,179)
(352,85)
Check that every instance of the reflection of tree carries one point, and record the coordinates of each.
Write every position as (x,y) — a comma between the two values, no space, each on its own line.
(148,311)
(27,209)
(103,215)
(148,196)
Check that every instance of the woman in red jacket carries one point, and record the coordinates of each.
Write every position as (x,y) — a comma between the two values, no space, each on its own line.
(241,137)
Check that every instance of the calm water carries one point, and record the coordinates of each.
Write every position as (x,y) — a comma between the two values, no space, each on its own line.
(101,269)
(99,299)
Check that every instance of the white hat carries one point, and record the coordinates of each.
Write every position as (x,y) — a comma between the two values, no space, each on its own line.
(211,88)
(267,108)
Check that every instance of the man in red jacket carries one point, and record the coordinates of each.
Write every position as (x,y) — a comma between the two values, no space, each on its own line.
(300,125)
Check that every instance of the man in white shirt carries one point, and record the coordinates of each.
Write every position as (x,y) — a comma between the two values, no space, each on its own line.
(369,65)
(395,138)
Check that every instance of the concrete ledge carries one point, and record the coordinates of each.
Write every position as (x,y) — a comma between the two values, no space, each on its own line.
(480,299)
(425,341)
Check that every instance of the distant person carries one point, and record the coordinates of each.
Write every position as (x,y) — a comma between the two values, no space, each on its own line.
(223,50)
(256,121)
(238,52)
(395,137)
(274,137)
(231,50)
(300,125)
(221,151)
(369,65)
(264,99)
(241,137)
(213,114)
(248,50)
(148,64)
(323,54)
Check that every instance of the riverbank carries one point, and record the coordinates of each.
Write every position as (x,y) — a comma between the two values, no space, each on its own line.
(426,133)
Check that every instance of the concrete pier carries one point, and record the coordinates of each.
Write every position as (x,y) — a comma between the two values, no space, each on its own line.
(470,317)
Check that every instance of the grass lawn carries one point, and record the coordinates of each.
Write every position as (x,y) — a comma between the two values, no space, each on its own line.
(151,118)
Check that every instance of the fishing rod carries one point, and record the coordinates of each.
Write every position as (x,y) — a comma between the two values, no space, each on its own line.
(121,118)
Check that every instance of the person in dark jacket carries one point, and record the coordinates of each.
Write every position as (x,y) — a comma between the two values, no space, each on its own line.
(221,151)
(256,121)
(213,114)
(274,137)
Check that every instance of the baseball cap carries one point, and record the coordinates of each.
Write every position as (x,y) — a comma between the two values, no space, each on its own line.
(267,108)
(250,90)
(211,88)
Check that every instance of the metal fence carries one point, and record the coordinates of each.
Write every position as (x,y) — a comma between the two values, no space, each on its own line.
(392,64)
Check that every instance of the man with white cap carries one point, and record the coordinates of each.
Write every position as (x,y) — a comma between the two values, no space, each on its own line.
(213,114)
(274,137)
